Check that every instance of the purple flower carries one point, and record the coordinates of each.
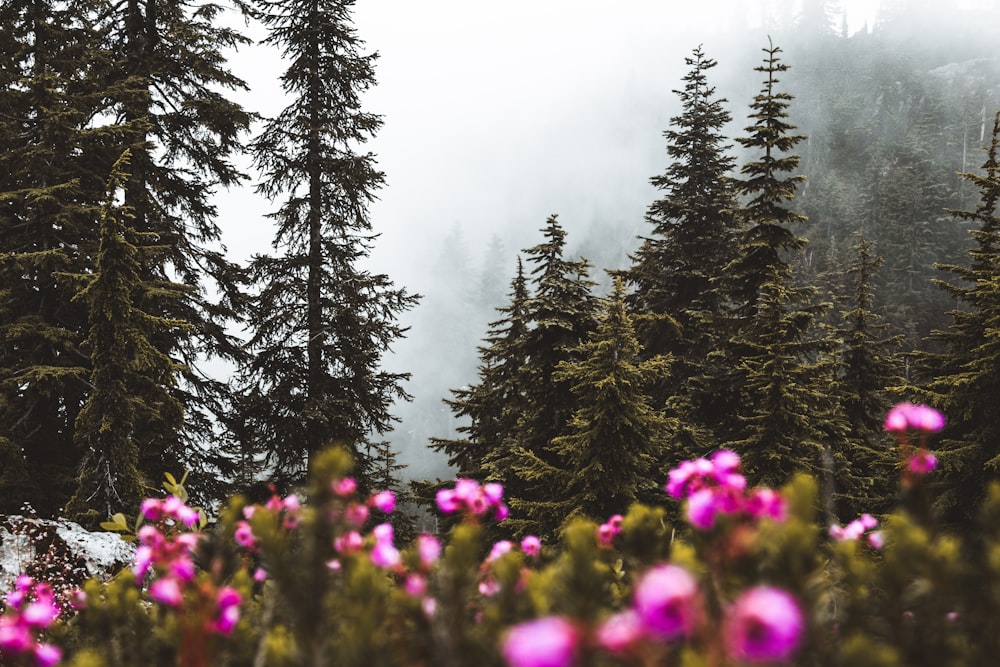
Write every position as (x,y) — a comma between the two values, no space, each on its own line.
(344,487)
(47,655)
(666,600)
(384,501)
(447,501)
(531,545)
(765,624)
(905,417)
(429,549)
(620,631)
(702,506)
(544,642)
(166,591)
(922,462)
(499,549)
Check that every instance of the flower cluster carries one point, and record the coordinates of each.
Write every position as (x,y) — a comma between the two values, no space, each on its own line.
(31,608)
(166,549)
(609,530)
(714,487)
(764,624)
(473,499)
(864,526)
(907,420)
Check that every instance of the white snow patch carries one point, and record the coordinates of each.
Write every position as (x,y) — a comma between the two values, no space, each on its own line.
(104,553)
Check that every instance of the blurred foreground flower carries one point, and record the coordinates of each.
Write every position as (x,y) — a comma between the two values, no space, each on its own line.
(666,600)
(765,624)
(544,642)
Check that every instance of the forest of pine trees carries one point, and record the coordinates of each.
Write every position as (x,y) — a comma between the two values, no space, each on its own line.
(794,278)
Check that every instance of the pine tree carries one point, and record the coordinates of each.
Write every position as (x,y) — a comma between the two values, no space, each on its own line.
(615,438)
(966,383)
(779,373)
(320,323)
(561,312)
(869,366)
(677,298)
(168,88)
(131,379)
(49,198)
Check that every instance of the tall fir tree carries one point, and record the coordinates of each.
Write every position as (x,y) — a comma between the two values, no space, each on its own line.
(131,379)
(561,312)
(170,88)
(965,382)
(779,364)
(320,323)
(615,439)
(677,297)
(50,194)
(870,365)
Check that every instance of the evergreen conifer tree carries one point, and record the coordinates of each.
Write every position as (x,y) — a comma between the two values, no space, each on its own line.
(49,198)
(131,379)
(561,313)
(779,365)
(615,439)
(677,297)
(168,88)
(320,323)
(966,383)
(869,366)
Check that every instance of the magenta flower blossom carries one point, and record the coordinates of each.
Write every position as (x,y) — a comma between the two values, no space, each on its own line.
(620,631)
(243,536)
(228,601)
(531,545)
(922,462)
(702,506)
(384,501)
(474,499)
(429,549)
(31,608)
(344,487)
(765,624)
(608,531)
(667,602)
(47,655)
(384,554)
(905,417)
(499,549)
(415,585)
(166,591)
(544,642)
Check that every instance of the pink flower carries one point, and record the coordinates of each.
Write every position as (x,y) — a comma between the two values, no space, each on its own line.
(47,655)
(166,591)
(344,487)
(531,545)
(385,555)
(243,535)
(349,541)
(666,600)
(228,601)
(922,462)
(765,624)
(40,613)
(356,514)
(499,549)
(876,539)
(429,549)
(544,642)
(767,503)
(905,417)
(384,501)
(14,637)
(702,506)
(620,631)
(447,501)
(415,585)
